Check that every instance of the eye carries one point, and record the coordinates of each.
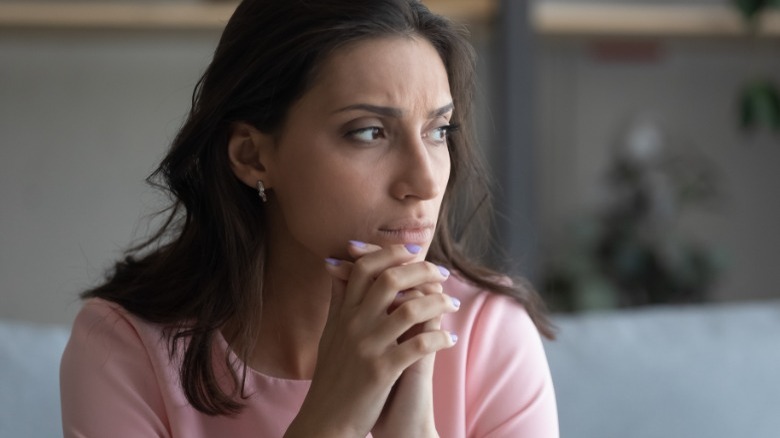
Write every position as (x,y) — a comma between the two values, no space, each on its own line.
(440,134)
(366,134)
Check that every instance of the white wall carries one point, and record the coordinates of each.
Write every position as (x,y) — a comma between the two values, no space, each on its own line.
(84,117)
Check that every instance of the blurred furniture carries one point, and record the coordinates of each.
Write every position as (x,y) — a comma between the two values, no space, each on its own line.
(674,372)
(29,379)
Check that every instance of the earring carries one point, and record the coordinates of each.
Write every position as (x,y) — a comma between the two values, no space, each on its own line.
(261,191)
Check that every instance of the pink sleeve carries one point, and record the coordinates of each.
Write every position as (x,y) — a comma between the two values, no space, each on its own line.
(107,382)
(509,387)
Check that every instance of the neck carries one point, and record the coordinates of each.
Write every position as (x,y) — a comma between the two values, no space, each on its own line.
(296,298)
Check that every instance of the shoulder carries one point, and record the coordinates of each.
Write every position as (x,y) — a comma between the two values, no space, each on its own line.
(498,365)
(104,325)
(495,333)
(485,313)
(105,337)
(110,373)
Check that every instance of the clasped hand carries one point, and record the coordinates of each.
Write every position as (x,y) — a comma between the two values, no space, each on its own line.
(374,368)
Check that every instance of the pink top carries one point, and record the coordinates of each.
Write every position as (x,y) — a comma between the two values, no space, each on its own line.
(117,379)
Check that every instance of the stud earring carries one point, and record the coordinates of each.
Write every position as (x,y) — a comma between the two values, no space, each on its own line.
(261,191)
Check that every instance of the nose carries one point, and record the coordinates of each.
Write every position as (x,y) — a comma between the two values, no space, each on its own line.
(421,170)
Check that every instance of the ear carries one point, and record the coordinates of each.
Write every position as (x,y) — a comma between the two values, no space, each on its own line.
(249,151)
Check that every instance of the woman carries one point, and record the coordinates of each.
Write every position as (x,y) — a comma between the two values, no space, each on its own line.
(307,276)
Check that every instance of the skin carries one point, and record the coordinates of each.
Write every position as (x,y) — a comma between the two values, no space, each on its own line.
(362,156)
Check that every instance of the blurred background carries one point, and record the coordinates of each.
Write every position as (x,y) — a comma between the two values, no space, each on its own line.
(634,144)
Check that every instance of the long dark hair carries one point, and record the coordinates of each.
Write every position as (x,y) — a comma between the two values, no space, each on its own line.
(204,267)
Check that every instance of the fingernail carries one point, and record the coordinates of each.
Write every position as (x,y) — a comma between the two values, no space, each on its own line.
(412,248)
(332,262)
(454,338)
(455,302)
(400,294)
(357,243)
(444,271)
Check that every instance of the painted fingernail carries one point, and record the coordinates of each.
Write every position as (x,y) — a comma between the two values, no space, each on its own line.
(412,248)
(332,262)
(455,302)
(400,294)
(444,271)
(357,244)
(454,338)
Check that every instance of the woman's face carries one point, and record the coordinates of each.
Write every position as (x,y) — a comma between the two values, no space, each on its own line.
(363,154)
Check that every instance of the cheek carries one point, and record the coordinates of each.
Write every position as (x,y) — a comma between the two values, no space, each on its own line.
(444,165)
(324,210)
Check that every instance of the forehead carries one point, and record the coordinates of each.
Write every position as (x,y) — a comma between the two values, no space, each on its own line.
(406,72)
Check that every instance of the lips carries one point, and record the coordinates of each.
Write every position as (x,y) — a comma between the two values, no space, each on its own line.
(408,231)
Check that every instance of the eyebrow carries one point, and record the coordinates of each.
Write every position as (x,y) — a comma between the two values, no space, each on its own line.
(394,112)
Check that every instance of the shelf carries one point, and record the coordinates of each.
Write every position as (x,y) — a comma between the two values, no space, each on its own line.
(549,19)
(172,16)
(595,20)
(85,16)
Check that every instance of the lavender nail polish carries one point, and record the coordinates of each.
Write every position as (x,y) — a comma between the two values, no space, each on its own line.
(454,338)
(412,248)
(357,244)
(332,262)
(455,302)
(444,271)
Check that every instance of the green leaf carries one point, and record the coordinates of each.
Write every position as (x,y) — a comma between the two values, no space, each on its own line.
(751,8)
(760,105)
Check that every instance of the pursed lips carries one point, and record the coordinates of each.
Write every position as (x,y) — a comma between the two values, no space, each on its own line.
(409,231)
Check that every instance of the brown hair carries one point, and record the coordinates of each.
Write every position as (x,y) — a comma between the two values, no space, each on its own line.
(205,264)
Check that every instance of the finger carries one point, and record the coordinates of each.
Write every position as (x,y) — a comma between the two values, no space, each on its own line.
(430,288)
(338,268)
(402,297)
(427,326)
(394,279)
(358,249)
(421,290)
(419,346)
(369,266)
(414,312)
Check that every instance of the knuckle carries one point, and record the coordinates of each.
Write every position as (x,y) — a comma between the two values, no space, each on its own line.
(434,288)
(414,293)
(433,270)
(406,311)
(420,344)
(390,278)
(361,265)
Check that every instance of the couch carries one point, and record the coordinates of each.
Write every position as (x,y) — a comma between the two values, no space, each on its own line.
(674,372)
(709,371)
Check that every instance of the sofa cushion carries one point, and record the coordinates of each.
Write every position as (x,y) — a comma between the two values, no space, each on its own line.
(696,371)
(29,379)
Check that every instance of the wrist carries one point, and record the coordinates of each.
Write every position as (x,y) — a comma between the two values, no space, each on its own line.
(301,428)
